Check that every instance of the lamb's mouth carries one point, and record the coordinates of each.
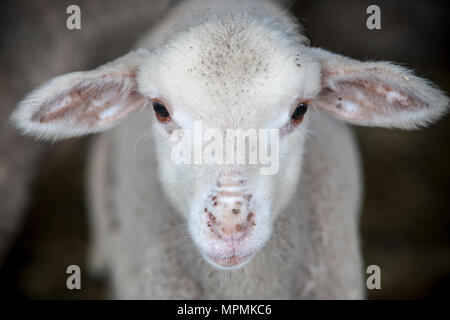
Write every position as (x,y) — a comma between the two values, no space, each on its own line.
(230,262)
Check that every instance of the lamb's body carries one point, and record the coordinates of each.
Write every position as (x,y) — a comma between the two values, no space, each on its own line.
(313,253)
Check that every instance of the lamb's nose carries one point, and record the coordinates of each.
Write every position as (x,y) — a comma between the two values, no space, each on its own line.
(229,208)
(229,229)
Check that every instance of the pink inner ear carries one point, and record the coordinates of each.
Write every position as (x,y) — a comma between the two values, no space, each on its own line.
(92,103)
(366,97)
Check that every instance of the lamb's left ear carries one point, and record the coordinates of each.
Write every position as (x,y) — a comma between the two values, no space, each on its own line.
(376,93)
(83,102)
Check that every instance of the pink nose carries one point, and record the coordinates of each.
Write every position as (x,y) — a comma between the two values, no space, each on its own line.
(229,215)
(231,229)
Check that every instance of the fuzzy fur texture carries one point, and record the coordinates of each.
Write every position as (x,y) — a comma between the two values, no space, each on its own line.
(228,64)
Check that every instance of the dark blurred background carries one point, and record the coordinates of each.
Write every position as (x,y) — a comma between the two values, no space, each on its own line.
(405,222)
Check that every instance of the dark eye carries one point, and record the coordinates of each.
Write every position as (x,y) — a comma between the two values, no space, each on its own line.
(161,112)
(299,112)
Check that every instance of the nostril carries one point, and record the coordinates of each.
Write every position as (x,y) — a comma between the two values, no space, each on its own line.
(240,227)
(235,211)
(212,218)
(251,218)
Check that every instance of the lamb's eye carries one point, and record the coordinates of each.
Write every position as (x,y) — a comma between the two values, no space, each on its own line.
(161,112)
(297,115)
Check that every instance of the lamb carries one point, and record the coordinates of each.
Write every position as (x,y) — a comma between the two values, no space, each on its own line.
(190,231)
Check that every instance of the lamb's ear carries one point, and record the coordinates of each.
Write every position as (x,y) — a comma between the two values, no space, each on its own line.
(376,93)
(82,102)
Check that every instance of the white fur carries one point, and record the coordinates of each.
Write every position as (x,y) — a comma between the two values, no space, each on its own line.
(229,64)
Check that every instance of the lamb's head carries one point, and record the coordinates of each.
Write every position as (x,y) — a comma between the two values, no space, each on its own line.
(218,83)
(230,104)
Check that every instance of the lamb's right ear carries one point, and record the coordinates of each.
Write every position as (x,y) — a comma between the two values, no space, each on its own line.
(83,102)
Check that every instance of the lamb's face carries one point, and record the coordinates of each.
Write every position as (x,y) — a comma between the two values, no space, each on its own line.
(202,92)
